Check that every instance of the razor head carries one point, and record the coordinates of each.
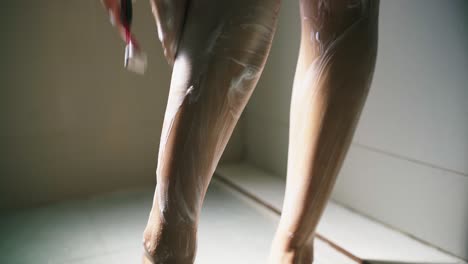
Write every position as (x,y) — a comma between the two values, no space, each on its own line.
(135,60)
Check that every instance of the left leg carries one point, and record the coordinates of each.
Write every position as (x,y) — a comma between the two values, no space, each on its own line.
(221,55)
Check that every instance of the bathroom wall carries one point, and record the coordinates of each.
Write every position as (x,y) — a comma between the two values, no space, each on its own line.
(408,163)
(73,120)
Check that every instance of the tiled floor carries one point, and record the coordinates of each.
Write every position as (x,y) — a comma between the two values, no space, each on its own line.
(97,230)
(107,229)
(360,236)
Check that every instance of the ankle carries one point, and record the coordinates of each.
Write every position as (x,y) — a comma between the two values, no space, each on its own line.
(170,243)
(303,255)
(290,249)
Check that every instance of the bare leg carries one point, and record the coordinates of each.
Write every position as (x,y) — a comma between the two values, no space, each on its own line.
(333,75)
(223,49)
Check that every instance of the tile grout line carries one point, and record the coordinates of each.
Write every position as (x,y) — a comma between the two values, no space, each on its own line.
(413,160)
(256,199)
(234,186)
(346,207)
(374,149)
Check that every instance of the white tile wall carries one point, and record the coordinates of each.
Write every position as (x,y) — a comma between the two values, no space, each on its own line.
(266,143)
(427,203)
(417,106)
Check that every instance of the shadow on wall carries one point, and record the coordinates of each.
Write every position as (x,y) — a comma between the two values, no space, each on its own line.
(73,120)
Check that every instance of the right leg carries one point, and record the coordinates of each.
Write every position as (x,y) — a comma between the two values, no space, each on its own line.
(333,75)
(221,55)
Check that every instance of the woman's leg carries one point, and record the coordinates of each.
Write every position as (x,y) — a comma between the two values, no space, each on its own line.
(223,49)
(333,75)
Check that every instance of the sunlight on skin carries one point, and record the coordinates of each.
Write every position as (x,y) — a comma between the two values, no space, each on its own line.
(334,72)
(218,57)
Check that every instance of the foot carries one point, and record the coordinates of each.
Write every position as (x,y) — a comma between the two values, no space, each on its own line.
(283,251)
(169,242)
(302,256)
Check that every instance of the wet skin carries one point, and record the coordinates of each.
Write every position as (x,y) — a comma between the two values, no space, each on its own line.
(220,57)
(218,50)
(333,75)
